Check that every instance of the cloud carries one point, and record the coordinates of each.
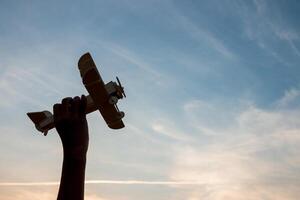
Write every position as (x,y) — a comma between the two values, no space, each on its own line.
(38,194)
(94,197)
(261,26)
(290,36)
(28,77)
(202,35)
(13,194)
(290,96)
(255,156)
(113,182)
(169,129)
(208,117)
(8,88)
(260,6)
(131,57)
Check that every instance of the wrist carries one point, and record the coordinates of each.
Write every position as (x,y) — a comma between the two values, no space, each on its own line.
(77,153)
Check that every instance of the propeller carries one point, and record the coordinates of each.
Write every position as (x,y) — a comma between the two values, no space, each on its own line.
(122,88)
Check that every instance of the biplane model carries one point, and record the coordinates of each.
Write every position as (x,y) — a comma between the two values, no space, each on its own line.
(102,97)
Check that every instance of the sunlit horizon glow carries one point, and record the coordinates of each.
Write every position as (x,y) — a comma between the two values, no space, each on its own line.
(212,107)
(122,182)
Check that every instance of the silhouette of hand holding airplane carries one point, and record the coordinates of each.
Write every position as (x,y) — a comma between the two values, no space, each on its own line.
(71,125)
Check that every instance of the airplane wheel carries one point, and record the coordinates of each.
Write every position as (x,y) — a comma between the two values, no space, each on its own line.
(122,114)
(113,100)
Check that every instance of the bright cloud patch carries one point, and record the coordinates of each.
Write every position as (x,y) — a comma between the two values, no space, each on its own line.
(256,154)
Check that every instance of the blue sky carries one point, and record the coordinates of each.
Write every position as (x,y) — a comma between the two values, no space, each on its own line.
(213,97)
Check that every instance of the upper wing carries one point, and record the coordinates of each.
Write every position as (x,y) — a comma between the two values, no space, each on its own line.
(96,88)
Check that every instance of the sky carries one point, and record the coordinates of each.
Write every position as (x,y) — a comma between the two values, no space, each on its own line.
(212,107)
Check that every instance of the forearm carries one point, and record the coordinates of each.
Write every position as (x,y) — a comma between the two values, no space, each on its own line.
(72,178)
(71,125)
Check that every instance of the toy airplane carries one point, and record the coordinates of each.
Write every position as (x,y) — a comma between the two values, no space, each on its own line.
(102,97)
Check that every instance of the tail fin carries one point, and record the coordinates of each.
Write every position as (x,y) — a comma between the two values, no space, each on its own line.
(42,120)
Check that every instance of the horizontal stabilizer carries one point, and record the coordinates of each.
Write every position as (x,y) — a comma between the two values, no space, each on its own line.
(116,125)
(37,117)
(40,119)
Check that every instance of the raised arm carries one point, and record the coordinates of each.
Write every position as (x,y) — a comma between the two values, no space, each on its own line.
(71,125)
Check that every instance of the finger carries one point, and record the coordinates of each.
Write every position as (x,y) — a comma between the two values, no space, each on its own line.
(76,105)
(66,105)
(83,104)
(56,111)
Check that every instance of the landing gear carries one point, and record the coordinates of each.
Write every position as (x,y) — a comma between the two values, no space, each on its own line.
(113,100)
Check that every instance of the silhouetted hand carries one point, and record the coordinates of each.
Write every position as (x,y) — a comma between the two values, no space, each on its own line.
(71,125)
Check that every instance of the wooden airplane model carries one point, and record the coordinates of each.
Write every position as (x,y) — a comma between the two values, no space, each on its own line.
(102,97)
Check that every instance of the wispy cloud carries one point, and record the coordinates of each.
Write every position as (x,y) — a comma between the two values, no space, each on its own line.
(289,97)
(208,117)
(202,36)
(38,194)
(288,35)
(10,83)
(131,57)
(258,148)
(118,182)
(170,130)
(266,30)
(26,82)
